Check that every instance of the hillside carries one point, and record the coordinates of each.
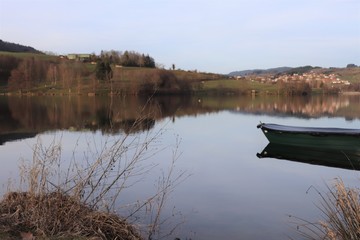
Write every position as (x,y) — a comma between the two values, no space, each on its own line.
(15,47)
(291,71)
(260,71)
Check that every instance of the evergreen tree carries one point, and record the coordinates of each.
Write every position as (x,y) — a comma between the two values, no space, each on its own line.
(103,70)
(149,62)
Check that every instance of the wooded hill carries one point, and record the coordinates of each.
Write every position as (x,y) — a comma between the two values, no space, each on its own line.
(260,71)
(14,47)
(284,70)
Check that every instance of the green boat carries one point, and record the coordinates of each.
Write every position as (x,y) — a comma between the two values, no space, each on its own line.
(346,159)
(326,138)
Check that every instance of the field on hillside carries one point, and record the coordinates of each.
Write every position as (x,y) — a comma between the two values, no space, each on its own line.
(28,55)
(350,74)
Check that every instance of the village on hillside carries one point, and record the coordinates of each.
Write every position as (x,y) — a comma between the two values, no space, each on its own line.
(314,79)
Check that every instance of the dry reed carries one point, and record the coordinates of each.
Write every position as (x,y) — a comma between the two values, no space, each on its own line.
(59,216)
(341,215)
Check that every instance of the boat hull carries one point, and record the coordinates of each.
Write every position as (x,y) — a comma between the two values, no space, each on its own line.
(327,138)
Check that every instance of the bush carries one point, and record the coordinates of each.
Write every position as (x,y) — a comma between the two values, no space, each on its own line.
(295,88)
(158,81)
(7,63)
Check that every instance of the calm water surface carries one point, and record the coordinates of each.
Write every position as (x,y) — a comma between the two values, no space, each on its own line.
(230,193)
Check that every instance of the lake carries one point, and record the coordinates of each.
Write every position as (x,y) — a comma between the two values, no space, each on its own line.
(226,191)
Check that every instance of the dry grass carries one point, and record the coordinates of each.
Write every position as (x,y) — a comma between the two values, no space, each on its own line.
(59,216)
(341,215)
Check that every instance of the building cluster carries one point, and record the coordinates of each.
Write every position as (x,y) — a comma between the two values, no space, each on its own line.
(313,78)
(77,57)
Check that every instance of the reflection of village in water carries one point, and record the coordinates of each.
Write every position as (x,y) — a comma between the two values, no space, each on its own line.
(307,107)
(23,117)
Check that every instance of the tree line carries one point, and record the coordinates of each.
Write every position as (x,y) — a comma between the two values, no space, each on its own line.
(127,58)
(33,71)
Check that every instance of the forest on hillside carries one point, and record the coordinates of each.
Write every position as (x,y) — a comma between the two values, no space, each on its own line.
(15,47)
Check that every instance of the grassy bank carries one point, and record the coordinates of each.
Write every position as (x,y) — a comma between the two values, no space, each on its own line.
(140,81)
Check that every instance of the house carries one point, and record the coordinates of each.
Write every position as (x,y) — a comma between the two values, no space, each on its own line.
(79,57)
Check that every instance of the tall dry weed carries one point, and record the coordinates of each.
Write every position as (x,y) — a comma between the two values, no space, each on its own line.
(340,208)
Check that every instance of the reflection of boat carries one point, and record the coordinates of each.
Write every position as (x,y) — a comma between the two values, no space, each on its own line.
(330,138)
(348,159)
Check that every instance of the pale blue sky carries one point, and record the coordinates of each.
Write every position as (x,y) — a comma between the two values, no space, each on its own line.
(207,35)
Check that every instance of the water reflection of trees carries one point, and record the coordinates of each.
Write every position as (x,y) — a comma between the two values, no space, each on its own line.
(113,115)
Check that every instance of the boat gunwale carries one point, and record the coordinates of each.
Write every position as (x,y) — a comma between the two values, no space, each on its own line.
(315,131)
